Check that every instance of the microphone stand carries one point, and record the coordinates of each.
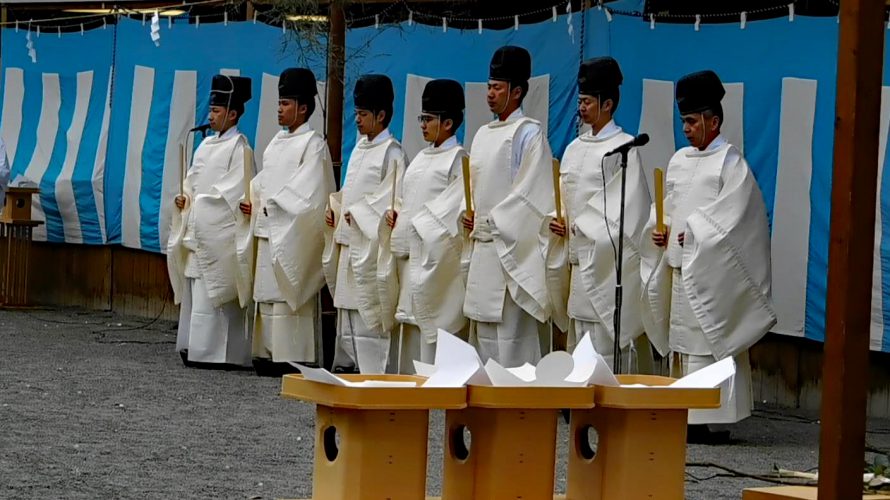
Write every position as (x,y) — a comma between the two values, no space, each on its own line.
(619,290)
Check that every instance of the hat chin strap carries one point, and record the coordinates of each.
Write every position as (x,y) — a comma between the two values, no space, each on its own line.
(228,105)
(507,100)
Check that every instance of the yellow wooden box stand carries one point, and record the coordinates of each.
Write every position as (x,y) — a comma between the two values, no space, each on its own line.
(371,443)
(512,452)
(641,447)
(793,493)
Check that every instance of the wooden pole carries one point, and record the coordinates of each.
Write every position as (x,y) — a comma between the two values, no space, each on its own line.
(468,193)
(336,79)
(848,304)
(659,200)
(557,196)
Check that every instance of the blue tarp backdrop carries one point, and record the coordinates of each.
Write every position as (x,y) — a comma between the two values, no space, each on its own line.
(106,156)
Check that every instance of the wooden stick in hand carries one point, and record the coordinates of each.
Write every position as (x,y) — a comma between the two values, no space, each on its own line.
(659,200)
(468,195)
(557,196)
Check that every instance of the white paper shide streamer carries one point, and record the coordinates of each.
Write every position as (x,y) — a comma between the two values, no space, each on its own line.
(32,52)
(571,26)
(156,29)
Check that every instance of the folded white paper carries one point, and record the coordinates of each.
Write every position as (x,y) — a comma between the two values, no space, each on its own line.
(526,372)
(326,377)
(424,369)
(457,364)
(708,377)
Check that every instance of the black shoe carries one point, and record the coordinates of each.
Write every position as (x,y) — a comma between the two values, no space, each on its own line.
(346,370)
(702,434)
(265,367)
(184,354)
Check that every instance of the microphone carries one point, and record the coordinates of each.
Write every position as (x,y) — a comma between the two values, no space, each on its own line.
(640,140)
(201,128)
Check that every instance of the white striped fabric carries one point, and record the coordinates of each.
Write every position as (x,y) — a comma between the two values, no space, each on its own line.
(412,136)
(733,128)
(11,119)
(64,188)
(47,128)
(140,106)
(317,120)
(477,113)
(877,285)
(791,212)
(267,125)
(537,103)
(657,120)
(98,177)
(182,118)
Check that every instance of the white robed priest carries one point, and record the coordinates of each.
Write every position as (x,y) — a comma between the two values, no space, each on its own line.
(592,185)
(286,207)
(202,262)
(707,277)
(426,233)
(350,260)
(507,298)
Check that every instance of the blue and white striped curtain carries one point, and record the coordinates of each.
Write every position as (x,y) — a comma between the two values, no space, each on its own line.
(105,150)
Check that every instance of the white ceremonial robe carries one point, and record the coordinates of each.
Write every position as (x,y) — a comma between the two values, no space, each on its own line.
(592,185)
(711,296)
(426,247)
(363,330)
(507,296)
(288,199)
(202,261)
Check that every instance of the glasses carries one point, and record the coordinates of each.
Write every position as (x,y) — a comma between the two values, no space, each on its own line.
(426,118)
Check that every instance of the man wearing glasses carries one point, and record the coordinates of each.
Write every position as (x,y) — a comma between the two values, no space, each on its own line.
(426,241)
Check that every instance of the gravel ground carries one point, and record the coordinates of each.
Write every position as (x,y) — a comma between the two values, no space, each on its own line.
(94,405)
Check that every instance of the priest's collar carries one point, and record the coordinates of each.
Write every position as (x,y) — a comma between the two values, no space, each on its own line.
(447,143)
(382,136)
(608,131)
(718,142)
(228,134)
(515,115)
(302,129)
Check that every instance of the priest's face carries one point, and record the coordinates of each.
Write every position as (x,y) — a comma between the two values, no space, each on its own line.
(700,129)
(498,96)
(588,109)
(431,126)
(287,112)
(221,119)
(367,122)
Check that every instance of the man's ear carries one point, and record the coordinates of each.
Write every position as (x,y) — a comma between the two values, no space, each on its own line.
(381,115)
(516,92)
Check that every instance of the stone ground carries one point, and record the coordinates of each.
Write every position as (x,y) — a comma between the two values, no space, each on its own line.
(94,405)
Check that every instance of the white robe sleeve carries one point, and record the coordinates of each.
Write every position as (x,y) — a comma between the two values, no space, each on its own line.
(516,228)
(330,258)
(296,226)
(726,265)
(373,265)
(176,251)
(218,223)
(436,243)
